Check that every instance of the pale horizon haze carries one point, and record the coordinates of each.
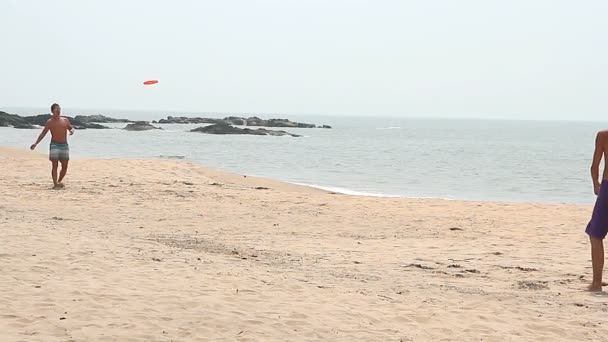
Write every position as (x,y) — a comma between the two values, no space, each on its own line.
(541,60)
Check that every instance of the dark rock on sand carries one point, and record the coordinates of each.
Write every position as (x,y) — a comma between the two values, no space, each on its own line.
(140,126)
(228,129)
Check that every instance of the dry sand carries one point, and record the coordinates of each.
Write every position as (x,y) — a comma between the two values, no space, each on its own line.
(162,250)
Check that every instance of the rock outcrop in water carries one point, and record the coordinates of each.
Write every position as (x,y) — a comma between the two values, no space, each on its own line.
(92,122)
(41,120)
(224,128)
(24,126)
(255,121)
(235,120)
(239,121)
(12,120)
(185,120)
(30,122)
(140,126)
(99,119)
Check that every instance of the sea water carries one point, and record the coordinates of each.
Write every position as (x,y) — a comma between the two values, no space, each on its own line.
(465,159)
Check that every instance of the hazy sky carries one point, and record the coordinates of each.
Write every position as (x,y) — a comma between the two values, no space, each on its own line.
(539,59)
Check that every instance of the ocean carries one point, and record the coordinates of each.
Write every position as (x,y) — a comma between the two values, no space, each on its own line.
(459,159)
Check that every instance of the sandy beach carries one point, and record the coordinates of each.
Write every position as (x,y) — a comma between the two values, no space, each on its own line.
(166,250)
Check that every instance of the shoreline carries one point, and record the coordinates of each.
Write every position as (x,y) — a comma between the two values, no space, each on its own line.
(311,187)
(406,180)
(356,193)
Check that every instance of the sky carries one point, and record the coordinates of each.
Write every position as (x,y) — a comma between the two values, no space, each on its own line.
(522,59)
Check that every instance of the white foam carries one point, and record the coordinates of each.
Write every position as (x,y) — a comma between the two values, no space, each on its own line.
(350,192)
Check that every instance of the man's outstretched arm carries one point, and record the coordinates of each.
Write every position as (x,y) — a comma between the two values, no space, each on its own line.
(597,158)
(41,136)
(70,127)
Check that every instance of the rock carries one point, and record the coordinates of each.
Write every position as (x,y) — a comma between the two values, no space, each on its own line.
(40,120)
(140,126)
(186,120)
(219,129)
(325,126)
(92,121)
(13,120)
(233,120)
(228,129)
(171,119)
(98,119)
(238,121)
(255,121)
(91,126)
(273,133)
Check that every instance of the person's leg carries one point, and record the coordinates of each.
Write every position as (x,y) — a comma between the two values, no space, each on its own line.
(54,171)
(597,261)
(64,169)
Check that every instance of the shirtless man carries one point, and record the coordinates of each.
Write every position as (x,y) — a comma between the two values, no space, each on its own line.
(59,150)
(598,225)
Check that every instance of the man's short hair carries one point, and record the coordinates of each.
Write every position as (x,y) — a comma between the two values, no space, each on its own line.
(53,106)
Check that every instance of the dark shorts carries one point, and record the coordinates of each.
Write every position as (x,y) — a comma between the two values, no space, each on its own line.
(59,152)
(598,226)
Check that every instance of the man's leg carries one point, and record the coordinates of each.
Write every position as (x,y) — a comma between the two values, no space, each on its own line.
(597,260)
(54,171)
(64,170)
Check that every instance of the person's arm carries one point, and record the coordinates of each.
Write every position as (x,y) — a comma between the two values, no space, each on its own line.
(41,136)
(70,127)
(595,165)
